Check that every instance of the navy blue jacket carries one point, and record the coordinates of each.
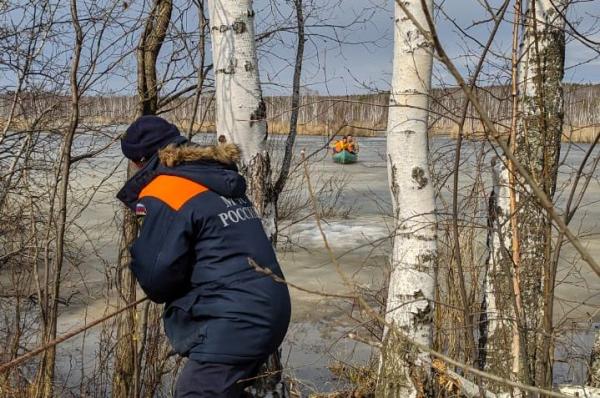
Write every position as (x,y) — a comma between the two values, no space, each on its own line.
(199,231)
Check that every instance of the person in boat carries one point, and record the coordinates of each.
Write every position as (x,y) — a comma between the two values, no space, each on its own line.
(352,145)
(340,145)
(198,233)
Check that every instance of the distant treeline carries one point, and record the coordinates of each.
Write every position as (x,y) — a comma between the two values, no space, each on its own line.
(320,115)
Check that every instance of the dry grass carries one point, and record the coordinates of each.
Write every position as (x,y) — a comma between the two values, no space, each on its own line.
(322,129)
(578,134)
(585,134)
(363,380)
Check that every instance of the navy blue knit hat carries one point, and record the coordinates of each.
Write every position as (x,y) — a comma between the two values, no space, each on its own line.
(145,136)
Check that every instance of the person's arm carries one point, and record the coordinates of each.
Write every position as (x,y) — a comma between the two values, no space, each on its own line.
(162,255)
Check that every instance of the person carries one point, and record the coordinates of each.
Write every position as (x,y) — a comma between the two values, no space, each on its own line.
(352,145)
(340,145)
(199,233)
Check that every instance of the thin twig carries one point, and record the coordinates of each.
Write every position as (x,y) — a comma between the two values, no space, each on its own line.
(543,199)
(23,358)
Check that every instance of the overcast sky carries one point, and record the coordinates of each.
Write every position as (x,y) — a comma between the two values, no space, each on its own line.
(348,49)
(352,68)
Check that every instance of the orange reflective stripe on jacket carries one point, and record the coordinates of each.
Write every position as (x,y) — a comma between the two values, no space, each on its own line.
(172,190)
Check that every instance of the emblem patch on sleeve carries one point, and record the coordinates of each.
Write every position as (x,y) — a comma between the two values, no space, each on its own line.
(140,210)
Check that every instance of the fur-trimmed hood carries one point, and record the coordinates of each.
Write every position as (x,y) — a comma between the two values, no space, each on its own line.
(174,154)
(213,166)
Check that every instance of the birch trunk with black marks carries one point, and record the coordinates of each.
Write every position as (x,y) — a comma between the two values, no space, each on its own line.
(537,147)
(404,371)
(240,108)
(126,381)
(498,347)
(241,119)
(526,273)
(500,334)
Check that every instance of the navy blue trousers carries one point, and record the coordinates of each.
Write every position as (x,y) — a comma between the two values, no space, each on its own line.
(215,380)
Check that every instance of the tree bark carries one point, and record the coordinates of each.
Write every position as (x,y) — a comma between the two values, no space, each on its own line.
(45,378)
(500,337)
(524,270)
(537,147)
(403,372)
(126,381)
(515,246)
(151,41)
(293,131)
(594,367)
(241,119)
(240,108)
(202,70)
(125,369)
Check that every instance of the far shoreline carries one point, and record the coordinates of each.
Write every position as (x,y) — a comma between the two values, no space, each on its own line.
(574,134)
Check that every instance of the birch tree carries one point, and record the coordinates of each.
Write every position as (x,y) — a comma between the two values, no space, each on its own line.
(527,258)
(501,320)
(500,326)
(537,147)
(411,287)
(240,108)
(241,119)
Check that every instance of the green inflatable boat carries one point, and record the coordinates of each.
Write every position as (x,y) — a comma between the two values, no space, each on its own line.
(345,157)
